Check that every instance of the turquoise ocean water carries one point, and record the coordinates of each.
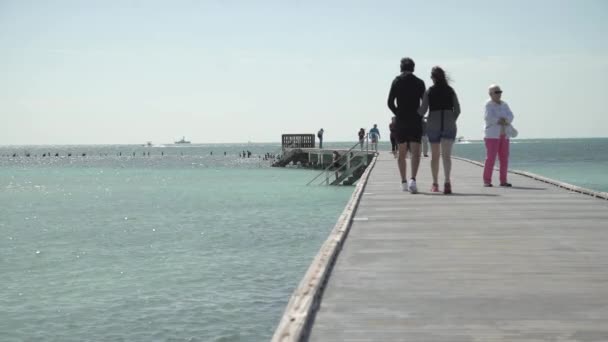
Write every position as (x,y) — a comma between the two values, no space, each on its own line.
(173,248)
(186,246)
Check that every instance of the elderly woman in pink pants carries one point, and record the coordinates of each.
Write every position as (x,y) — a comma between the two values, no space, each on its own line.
(498,117)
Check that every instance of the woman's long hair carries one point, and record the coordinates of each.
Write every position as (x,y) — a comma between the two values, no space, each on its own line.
(439,77)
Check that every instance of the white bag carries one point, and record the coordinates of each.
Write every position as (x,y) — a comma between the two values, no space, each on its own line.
(511,132)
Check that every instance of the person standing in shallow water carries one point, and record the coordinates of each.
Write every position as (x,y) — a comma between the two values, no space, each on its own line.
(443,106)
(407,90)
(498,118)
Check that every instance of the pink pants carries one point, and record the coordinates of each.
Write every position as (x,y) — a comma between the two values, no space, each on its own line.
(496,146)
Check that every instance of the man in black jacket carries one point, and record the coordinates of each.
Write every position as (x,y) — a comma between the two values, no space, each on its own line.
(407,90)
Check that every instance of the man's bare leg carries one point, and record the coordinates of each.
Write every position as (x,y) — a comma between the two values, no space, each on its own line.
(401,162)
(415,153)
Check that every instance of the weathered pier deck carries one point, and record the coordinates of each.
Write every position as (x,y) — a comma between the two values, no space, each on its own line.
(528,263)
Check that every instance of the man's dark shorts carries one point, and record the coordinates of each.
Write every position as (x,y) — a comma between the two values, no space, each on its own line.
(408,128)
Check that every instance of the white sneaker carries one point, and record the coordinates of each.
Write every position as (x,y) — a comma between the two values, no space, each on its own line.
(412,186)
(404,186)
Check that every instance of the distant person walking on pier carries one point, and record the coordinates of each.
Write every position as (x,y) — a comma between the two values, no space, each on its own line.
(498,118)
(374,135)
(320,136)
(361,137)
(392,128)
(407,90)
(443,106)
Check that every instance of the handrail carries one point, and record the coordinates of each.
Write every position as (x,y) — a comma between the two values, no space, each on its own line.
(335,170)
(356,166)
(330,166)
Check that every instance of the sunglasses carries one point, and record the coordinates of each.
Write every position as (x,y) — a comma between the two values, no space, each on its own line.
(498,92)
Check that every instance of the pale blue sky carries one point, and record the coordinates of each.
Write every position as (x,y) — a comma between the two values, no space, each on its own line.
(93,72)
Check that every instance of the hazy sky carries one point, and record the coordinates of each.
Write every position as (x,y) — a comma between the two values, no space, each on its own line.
(94,72)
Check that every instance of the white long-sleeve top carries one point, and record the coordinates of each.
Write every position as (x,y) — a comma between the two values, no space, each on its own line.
(494,112)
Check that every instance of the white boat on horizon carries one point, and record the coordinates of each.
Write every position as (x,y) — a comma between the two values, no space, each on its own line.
(183,141)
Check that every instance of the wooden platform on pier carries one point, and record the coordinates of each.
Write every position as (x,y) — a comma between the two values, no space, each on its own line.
(528,263)
(321,158)
(330,151)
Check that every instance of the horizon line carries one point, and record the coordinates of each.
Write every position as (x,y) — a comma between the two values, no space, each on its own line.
(259,142)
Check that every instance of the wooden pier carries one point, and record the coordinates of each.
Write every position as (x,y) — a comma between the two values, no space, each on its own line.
(319,158)
(528,263)
(345,171)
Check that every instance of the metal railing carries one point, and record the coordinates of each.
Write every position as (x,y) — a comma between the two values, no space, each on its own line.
(329,169)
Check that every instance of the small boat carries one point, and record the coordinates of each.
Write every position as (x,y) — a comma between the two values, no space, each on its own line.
(460,139)
(148,144)
(183,141)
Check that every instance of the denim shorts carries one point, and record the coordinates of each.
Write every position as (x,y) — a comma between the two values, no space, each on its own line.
(435,136)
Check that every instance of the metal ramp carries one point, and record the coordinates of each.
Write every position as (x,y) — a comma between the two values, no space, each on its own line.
(346,170)
(347,177)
